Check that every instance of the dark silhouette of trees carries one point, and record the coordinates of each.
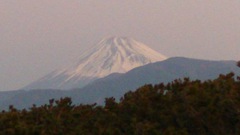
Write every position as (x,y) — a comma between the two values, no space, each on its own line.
(238,63)
(188,108)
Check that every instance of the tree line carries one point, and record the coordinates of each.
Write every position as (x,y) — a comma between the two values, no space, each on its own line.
(182,107)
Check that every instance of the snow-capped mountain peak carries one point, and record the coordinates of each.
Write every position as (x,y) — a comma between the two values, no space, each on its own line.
(110,55)
(114,54)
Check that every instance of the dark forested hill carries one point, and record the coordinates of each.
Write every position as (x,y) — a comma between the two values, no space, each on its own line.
(188,108)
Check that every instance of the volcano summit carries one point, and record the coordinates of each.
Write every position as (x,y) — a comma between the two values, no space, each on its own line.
(110,55)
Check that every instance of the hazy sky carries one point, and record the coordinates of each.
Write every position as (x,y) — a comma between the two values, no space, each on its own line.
(39,36)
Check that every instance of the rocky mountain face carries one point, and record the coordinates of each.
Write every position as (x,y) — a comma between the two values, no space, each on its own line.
(110,55)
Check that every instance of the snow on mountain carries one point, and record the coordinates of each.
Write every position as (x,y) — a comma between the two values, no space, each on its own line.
(110,55)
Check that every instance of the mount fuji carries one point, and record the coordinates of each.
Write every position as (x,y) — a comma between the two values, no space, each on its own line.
(110,55)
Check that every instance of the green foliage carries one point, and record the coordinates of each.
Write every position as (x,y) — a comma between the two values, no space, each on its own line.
(182,107)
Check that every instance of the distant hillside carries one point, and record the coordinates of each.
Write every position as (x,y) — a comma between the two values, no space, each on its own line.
(165,71)
(117,84)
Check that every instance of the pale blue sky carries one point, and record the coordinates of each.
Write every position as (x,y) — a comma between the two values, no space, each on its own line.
(38,36)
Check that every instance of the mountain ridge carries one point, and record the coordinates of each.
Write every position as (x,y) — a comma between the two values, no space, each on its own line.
(117,84)
(159,72)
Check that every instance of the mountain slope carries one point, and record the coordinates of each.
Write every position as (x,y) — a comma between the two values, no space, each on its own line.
(115,85)
(165,71)
(111,55)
